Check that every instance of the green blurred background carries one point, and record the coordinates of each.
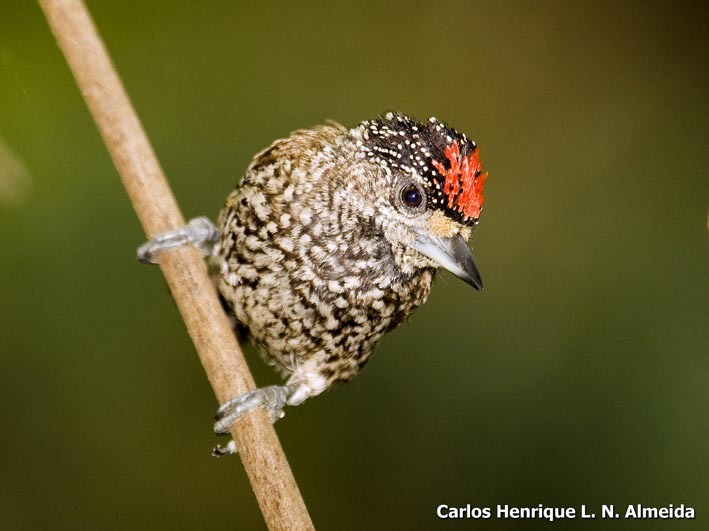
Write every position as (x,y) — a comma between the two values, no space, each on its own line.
(580,375)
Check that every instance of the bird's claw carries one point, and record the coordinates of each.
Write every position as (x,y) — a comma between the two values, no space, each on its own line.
(272,399)
(200,232)
(230,449)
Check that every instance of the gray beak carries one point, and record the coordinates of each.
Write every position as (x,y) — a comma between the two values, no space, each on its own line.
(452,254)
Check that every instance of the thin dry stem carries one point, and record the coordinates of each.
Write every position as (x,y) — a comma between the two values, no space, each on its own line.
(261,453)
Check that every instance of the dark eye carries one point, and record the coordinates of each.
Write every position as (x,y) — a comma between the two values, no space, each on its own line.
(411,195)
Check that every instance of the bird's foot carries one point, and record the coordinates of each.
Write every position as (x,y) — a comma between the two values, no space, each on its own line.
(199,232)
(273,399)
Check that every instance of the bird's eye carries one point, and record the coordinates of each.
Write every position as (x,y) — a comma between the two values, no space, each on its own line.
(411,196)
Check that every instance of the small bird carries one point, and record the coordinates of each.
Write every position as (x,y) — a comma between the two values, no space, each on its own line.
(331,239)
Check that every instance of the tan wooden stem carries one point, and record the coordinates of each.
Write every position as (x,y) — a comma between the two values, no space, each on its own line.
(260,450)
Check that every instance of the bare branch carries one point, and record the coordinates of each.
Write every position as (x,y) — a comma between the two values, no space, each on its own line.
(261,453)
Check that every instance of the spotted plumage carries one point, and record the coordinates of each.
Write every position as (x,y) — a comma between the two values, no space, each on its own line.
(333,237)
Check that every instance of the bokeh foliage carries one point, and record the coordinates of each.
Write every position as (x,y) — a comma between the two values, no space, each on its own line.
(580,375)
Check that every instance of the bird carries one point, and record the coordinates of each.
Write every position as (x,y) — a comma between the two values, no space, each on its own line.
(331,239)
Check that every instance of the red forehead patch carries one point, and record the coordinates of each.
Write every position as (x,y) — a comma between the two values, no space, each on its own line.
(464,181)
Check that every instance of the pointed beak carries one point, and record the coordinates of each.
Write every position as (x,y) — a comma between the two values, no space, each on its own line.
(452,254)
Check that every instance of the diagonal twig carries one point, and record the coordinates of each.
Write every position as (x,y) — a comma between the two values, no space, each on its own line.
(261,453)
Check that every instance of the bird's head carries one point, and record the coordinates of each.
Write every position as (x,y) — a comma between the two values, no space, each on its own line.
(429,194)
